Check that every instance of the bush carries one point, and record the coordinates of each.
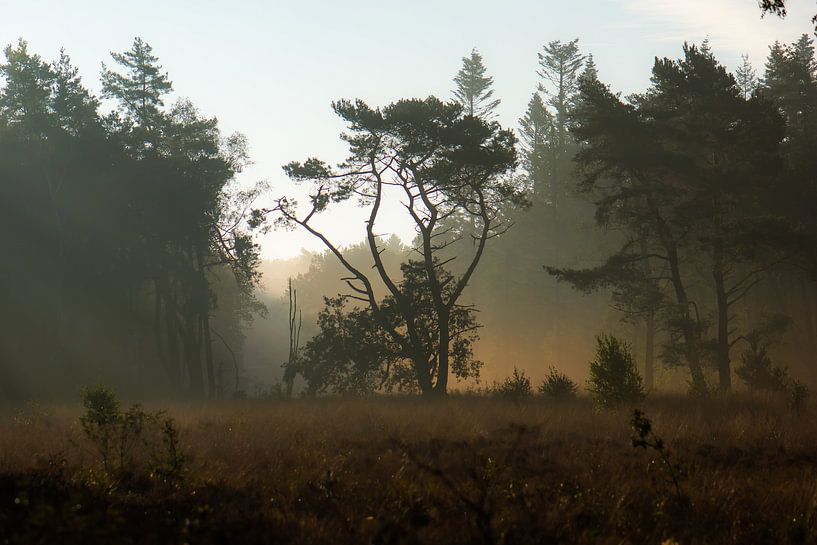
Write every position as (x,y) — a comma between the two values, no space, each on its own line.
(557,385)
(118,435)
(516,386)
(757,371)
(614,379)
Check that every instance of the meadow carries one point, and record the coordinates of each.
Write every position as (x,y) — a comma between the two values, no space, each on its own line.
(459,470)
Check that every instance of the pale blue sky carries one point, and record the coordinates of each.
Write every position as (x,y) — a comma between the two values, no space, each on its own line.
(270,69)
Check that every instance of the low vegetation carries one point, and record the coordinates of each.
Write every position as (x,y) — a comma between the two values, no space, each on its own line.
(400,470)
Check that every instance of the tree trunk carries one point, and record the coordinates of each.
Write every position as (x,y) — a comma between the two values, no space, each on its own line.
(192,356)
(208,355)
(441,388)
(649,353)
(690,329)
(722,354)
(203,306)
(169,354)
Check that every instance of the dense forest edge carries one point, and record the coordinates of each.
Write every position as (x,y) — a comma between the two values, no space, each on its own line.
(676,223)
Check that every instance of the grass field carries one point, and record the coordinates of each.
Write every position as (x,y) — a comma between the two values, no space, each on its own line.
(461,470)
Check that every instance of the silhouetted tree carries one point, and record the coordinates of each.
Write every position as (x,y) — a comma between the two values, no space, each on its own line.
(473,89)
(443,164)
(686,162)
(778,7)
(353,353)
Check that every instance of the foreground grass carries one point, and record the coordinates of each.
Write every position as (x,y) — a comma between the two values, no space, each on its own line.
(463,470)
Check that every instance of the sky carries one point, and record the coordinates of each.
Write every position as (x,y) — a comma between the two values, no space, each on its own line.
(270,69)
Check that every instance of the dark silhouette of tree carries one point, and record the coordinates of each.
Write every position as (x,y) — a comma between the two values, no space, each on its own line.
(536,129)
(560,70)
(127,231)
(442,163)
(779,8)
(353,354)
(141,89)
(474,88)
(295,318)
(686,163)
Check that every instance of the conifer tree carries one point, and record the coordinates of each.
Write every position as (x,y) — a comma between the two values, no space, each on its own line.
(746,77)
(140,90)
(473,89)
(560,69)
(536,133)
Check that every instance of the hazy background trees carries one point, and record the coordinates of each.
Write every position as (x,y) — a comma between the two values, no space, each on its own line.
(680,218)
(125,243)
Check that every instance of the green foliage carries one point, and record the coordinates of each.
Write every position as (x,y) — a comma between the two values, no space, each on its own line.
(558,386)
(120,435)
(141,89)
(516,387)
(614,379)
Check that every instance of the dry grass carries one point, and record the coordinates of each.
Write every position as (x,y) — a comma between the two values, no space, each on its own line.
(463,470)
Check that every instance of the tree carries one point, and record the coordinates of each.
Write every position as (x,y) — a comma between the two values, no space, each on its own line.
(353,354)
(778,7)
(634,278)
(536,129)
(560,69)
(442,163)
(686,163)
(197,227)
(140,91)
(746,77)
(613,377)
(124,250)
(473,89)
(295,319)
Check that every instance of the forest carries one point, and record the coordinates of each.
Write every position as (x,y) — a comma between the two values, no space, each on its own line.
(603,329)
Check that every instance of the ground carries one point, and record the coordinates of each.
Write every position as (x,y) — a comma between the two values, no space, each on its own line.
(461,470)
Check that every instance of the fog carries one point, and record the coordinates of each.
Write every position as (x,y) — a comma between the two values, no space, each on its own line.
(632,169)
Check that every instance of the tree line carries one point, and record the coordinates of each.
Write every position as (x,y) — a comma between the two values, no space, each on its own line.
(685,208)
(698,192)
(126,257)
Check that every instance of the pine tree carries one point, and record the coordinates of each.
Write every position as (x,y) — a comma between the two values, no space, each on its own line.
(140,90)
(561,65)
(26,97)
(474,87)
(746,77)
(536,133)
(74,106)
(590,71)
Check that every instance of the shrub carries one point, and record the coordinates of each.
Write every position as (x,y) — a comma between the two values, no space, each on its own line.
(557,385)
(613,376)
(117,435)
(798,396)
(516,386)
(757,371)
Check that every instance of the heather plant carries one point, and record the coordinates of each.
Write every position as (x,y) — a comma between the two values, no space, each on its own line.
(558,386)
(614,379)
